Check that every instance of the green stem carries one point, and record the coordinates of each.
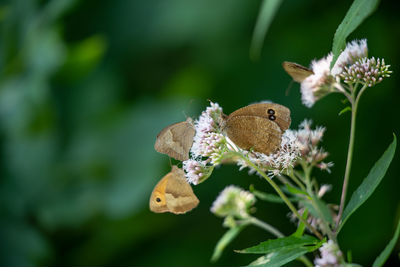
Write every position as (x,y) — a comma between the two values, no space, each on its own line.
(282,195)
(297,181)
(349,153)
(266,227)
(277,233)
(307,173)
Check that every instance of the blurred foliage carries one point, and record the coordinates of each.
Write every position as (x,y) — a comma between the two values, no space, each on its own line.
(85,86)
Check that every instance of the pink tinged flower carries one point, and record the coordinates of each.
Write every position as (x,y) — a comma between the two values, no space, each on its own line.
(354,50)
(196,171)
(208,141)
(368,71)
(324,188)
(323,166)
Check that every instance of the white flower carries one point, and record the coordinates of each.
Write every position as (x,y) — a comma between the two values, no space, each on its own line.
(276,163)
(307,141)
(315,86)
(196,171)
(233,201)
(324,188)
(355,50)
(208,140)
(331,256)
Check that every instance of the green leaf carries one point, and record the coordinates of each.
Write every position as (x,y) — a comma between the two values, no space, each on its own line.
(290,242)
(300,230)
(295,190)
(358,12)
(367,187)
(323,209)
(267,12)
(225,240)
(280,257)
(380,260)
(268,197)
(346,109)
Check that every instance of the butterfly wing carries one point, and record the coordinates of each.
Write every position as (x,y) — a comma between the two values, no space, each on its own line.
(176,140)
(254,132)
(158,201)
(173,194)
(179,193)
(298,72)
(274,112)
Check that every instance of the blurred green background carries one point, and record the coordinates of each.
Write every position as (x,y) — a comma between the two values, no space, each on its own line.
(85,87)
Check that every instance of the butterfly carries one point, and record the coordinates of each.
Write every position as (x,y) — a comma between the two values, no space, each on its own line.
(173,194)
(258,126)
(176,140)
(298,72)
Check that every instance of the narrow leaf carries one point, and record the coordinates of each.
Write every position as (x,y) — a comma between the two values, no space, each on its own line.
(346,109)
(381,259)
(300,230)
(280,257)
(358,12)
(289,242)
(267,196)
(228,237)
(295,190)
(323,210)
(368,186)
(267,12)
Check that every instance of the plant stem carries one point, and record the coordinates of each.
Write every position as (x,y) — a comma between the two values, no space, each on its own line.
(266,227)
(354,107)
(297,181)
(283,196)
(325,225)
(278,234)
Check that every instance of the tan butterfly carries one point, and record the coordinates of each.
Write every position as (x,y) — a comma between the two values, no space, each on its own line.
(297,71)
(258,126)
(176,140)
(173,194)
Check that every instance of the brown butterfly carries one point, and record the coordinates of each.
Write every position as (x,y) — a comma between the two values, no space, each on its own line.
(176,140)
(297,71)
(258,126)
(173,194)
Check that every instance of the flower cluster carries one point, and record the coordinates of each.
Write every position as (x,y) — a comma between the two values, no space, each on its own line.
(331,256)
(366,71)
(197,171)
(282,160)
(352,66)
(209,141)
(233,201)
(354,50)
(319,83)
(307,141)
